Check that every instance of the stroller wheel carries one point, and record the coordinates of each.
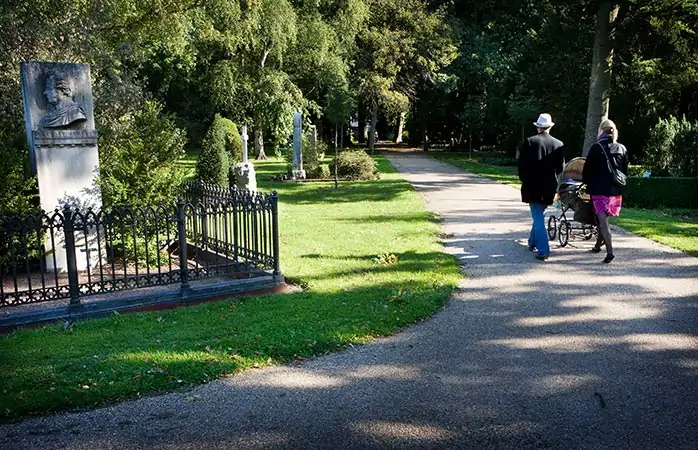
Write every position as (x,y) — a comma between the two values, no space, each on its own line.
(552,227)
(588,232)
(564,233)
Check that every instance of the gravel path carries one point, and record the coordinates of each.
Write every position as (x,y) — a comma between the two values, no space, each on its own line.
(564,354)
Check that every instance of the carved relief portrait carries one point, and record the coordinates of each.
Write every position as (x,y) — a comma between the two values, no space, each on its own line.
(62,109)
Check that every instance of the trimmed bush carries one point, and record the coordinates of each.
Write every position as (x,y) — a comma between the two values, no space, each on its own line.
(213,165)
(233,141)
(233,147)
(321,171)
(355,165)
(661,191)
(672,148)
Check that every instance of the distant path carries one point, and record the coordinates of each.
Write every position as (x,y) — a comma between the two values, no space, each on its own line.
(567,354)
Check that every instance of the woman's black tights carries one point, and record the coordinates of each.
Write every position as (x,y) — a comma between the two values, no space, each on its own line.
(604,234)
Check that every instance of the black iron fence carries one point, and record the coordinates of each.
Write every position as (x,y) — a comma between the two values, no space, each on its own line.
(71,253)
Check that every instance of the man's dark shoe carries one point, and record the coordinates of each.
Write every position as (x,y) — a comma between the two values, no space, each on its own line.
(541,257)
(531,248)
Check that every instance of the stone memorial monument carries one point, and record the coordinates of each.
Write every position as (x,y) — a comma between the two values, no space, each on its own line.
(245,177)
(297,172)
(62,141)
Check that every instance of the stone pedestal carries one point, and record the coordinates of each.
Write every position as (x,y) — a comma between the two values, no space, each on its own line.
(245,177)
(67,163)
(298,174)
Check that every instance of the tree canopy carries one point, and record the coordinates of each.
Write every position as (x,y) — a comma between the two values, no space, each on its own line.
(446,70)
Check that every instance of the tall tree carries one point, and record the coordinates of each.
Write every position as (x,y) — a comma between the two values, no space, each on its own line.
(602,62)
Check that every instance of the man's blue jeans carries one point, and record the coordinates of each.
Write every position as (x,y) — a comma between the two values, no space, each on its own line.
(539,235)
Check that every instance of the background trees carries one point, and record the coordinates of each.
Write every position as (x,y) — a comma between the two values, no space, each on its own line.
(462,71)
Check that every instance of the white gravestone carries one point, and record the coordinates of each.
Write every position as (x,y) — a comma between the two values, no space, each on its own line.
(245,177)
(63,153)
(297,172)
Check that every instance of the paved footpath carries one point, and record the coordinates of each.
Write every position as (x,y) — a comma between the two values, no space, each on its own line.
(564,354)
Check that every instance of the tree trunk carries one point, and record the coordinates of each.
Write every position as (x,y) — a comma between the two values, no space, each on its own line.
(401,124)
(361,131)
(600,81)
(259,144)
(372,131)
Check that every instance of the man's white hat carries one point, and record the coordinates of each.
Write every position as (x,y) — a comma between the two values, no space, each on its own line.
(544,121)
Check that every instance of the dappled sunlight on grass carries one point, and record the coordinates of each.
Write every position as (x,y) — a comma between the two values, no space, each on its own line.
(331,244)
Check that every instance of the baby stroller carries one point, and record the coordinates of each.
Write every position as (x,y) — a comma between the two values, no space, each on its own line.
(573,197)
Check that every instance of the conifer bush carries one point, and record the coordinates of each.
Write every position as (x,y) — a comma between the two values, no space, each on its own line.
(214,164)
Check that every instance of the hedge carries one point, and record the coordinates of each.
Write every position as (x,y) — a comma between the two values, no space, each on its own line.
(669,192)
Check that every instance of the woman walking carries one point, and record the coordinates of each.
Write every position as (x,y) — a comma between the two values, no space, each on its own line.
(604,160)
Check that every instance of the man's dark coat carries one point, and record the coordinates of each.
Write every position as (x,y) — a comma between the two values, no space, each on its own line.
(541,159)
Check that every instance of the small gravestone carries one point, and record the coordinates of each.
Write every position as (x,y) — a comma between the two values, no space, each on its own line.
(245,177)
(297,171)
(62,140)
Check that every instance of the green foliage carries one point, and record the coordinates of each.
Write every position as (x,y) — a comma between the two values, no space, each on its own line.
(233,142)
(18,187)
(355,165)
(312,154)
(673,147)
(233,147)
(636,170)
(213,165)
(321,171)
(138,162)
(655,192)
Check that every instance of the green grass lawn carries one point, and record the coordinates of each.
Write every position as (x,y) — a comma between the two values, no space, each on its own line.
(188,163)
(337,244)
(677,228)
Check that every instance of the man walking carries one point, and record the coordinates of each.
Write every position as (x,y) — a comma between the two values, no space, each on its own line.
(541,159)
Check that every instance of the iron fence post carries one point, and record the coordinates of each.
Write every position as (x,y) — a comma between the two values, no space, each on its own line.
(182,235)
(71,261)
(275,230)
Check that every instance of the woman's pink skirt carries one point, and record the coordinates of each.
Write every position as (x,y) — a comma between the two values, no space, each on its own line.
(608,205)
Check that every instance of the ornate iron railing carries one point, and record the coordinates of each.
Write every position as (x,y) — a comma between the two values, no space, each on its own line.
(70,253)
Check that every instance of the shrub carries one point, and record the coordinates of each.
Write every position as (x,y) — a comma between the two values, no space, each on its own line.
(312,156)
(321,171)
(138,164)
(671,148)
(18,187)
(635,170)
(355,165)
(669,192)
(233,147)
(17,196)
(213,165)
(233,141)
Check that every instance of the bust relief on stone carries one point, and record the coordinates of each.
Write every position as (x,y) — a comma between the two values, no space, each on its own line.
(63,110)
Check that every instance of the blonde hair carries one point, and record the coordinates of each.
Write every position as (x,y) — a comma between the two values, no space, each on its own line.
(609,127)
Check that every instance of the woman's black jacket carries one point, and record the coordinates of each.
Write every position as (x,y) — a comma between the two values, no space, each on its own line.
(597,175)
